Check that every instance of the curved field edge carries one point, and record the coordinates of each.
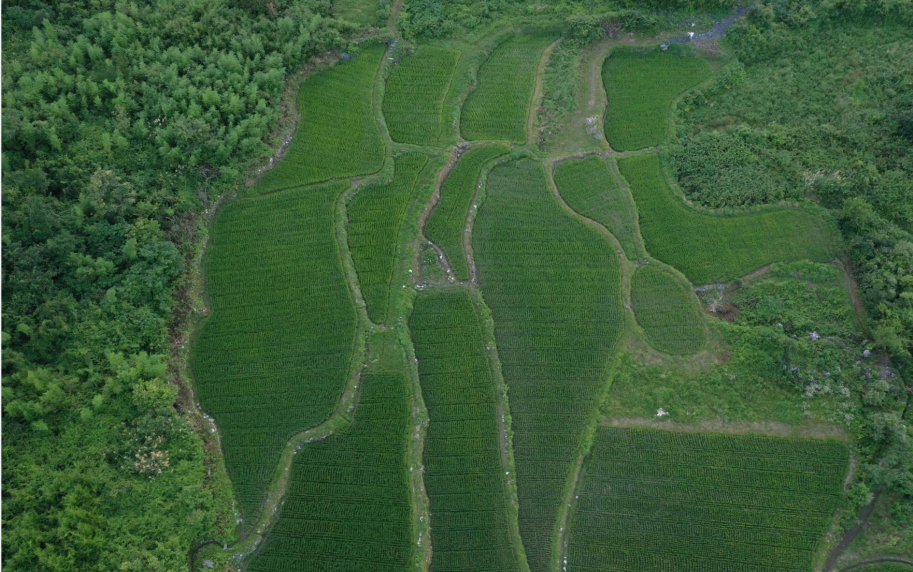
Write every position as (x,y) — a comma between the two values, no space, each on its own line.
(447,222)
(337,136)
(240,270)
(464,462)
(713,247)
(665,310)
(521,186)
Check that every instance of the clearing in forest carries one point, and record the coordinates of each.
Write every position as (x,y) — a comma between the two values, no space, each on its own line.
(554,288)
(337,135)
(446,225)
(363,12)
(640,88)
(273,357)
(376,214)
(499,106)
(348,508)
(709,247)
(464,476)
(588,187)
(654,500)
(667,312)
(415,93)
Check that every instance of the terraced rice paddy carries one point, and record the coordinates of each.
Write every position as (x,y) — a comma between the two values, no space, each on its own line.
(588,187)
(337,134)
(273,358)
(708,248)
(666,312)
(553,286)
(470,522)
(641,87)
(376,215)
(348,509)
(447,222)
(415,93)
(499,106)
(654,500)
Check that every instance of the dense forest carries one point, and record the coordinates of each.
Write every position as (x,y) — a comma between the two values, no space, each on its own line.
(123,122)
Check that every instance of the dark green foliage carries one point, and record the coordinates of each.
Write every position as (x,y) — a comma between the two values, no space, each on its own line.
(446,225)
(118,119)
(348,508)
(415,94)
(273,357)
(554,287)
(499,106)
(337,135)
(376,214)
(429,19)
(672,501)
(470,526)
(709,248)
(640,87)
(666,312)
(588,187)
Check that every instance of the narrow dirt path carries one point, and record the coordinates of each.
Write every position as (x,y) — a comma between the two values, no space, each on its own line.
(850,535)
(452,159)
(393,21)
(537,93)
(879,560)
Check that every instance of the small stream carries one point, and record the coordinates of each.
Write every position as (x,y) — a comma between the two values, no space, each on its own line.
(717,31)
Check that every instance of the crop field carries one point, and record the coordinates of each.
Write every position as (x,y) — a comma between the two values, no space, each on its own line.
(337,134)
(470,524)
(666,312)
(349,508)
(654,500)
(375,216)
(273,357)
(554,287)
(708,248)
(415,93)
(641,88)
(588,187)
(498,108)
(448,219)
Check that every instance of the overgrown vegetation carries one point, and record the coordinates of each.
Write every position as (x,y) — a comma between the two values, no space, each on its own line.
(120,122)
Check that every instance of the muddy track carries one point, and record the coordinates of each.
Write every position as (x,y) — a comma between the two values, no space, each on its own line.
(452,159)
(537,93)
(850,535)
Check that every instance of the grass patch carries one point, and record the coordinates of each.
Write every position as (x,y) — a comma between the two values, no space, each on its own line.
(349,507)
(337,135)
(666,312)
(273,357)
(588,187)
(499,106)
(376,215)
(640,88)
(655,500)
(464,477)
(706,247)
(362,12)
(447,222)
(554,288)
(415,93)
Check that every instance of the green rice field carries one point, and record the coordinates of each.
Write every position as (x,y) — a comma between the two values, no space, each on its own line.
(415,95)
(463,470)
(667,312)
(707,247)
(273,357)
(554,288)
(641,87)
(654,500)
